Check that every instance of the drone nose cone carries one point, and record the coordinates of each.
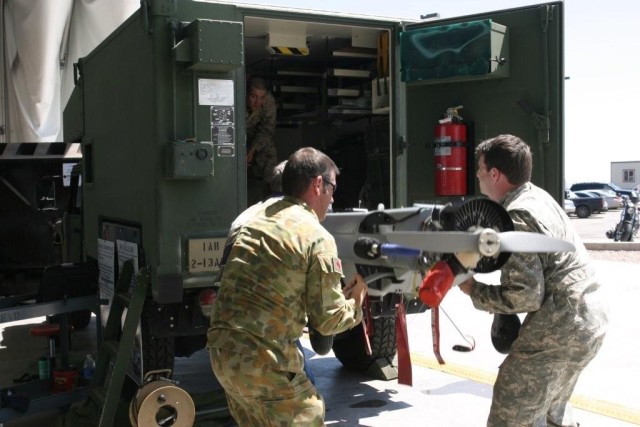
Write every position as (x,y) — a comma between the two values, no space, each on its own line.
(488,242)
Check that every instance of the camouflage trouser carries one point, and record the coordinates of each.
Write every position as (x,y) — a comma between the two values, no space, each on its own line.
(534,390)
(260,395)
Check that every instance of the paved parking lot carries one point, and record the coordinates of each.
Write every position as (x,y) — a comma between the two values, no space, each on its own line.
(594,227)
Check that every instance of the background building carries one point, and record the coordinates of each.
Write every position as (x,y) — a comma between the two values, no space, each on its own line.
(626,174)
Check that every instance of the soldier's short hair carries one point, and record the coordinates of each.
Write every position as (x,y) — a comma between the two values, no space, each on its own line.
(510,155)
(256,82)
(302,167)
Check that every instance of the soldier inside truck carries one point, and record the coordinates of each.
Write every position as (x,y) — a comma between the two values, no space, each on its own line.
(260,129)
(323,94)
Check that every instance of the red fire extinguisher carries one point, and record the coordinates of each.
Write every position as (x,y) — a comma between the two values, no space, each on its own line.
(450,144)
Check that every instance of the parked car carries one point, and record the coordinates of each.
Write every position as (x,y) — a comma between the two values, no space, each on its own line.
(569,207)
(631,194)
(614,201)
(585,206)
(589,193)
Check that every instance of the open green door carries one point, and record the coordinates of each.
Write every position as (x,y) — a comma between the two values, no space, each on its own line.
(506,70)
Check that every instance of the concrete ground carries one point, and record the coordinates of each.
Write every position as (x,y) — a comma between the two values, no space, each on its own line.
(455,394)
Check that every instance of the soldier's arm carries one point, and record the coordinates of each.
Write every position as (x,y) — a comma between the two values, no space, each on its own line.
(266,127)
(521,288)
(522,280)
(329,311)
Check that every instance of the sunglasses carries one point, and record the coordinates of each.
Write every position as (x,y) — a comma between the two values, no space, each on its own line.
(333,186)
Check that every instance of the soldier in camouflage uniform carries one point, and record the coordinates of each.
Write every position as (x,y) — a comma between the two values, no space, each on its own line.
(275,182)
(260,130)
(282,267)
(566,317)
(251,211)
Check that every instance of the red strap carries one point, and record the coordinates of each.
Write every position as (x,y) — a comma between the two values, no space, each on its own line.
(435,333)
(402,344)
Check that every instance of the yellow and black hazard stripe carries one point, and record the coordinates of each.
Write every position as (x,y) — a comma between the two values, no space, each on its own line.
(293,51)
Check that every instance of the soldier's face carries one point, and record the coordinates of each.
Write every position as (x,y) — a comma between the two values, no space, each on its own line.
(485,179)
(327,188)
(256,98)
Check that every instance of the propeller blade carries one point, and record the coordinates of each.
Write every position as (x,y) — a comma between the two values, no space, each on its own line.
(522,241)
(440,241)
(485,241)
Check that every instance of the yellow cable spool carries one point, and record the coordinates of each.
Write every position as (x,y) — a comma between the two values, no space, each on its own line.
(160,402)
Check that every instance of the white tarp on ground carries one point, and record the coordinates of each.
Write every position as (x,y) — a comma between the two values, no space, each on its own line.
(40,41)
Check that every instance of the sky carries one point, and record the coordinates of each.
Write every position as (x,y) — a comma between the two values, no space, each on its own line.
(602,62)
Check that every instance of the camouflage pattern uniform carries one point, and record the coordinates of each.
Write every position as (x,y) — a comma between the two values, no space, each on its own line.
(261,128)
(282,267)
(565,323)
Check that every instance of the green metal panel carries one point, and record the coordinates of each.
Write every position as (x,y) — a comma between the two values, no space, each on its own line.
(73,121)
(186,159)
(148,144)
(521,104)
(216,45)
(119,126)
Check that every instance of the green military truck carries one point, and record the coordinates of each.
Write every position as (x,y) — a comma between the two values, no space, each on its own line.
(159,110)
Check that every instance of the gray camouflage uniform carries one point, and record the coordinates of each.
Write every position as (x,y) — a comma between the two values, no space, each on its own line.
(565,323)
(283,267)
(260,129)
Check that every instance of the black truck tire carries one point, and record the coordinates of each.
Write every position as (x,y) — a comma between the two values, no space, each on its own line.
(349,347)
(321,344)
(157,352)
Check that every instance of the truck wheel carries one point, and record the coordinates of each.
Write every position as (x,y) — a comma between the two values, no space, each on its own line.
(350,349)
(157,352)
(321,344)
(583,211)
(626,233)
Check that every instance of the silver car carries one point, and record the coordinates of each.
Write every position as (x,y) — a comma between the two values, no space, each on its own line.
(613,200)
(569,207)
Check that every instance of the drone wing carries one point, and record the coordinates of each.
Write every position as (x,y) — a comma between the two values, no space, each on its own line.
(435,241)
(522,241)
(485,241)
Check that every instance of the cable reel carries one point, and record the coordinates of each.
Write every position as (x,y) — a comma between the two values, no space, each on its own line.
(160,402)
